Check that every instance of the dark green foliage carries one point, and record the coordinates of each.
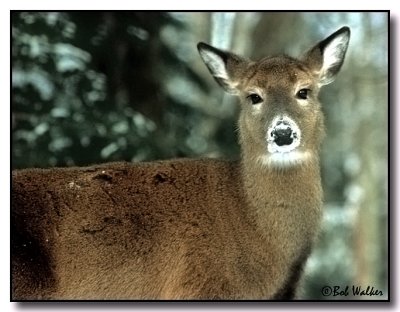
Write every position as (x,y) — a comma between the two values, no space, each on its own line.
(89,87)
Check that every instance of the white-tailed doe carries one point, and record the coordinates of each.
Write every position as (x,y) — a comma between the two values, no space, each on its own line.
(188,229)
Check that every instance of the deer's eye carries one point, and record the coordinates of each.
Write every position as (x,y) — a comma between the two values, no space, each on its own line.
(303,94)
(255,98)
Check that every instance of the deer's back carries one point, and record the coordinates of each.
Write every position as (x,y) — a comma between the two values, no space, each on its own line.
(129,231)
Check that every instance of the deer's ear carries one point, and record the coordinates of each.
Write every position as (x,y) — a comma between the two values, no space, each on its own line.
(327,56)
(225,67)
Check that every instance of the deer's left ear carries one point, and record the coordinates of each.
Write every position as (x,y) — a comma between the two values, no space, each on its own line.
(327,56)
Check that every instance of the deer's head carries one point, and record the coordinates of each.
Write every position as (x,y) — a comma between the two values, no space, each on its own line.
(281,123)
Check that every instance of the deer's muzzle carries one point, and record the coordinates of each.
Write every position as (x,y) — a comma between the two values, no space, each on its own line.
(283,135)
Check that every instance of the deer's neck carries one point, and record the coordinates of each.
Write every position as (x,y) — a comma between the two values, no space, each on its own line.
(285,203)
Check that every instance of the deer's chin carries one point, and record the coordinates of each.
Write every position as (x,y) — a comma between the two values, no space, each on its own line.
(284,159)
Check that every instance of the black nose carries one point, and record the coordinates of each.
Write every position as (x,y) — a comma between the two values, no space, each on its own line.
(283,136)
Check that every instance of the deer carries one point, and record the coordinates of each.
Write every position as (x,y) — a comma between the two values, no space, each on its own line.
(189,229)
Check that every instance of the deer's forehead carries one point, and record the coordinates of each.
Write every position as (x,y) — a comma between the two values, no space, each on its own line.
(278,71)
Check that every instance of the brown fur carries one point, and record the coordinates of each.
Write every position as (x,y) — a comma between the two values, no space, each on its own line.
(163,230)
(179,229)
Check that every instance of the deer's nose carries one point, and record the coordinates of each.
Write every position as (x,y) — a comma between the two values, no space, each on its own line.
(283,136)
(282,133)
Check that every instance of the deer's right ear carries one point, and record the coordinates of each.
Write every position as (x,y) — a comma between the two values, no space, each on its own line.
(224,66)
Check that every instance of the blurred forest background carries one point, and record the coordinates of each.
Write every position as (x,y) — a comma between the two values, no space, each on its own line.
(93,87)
